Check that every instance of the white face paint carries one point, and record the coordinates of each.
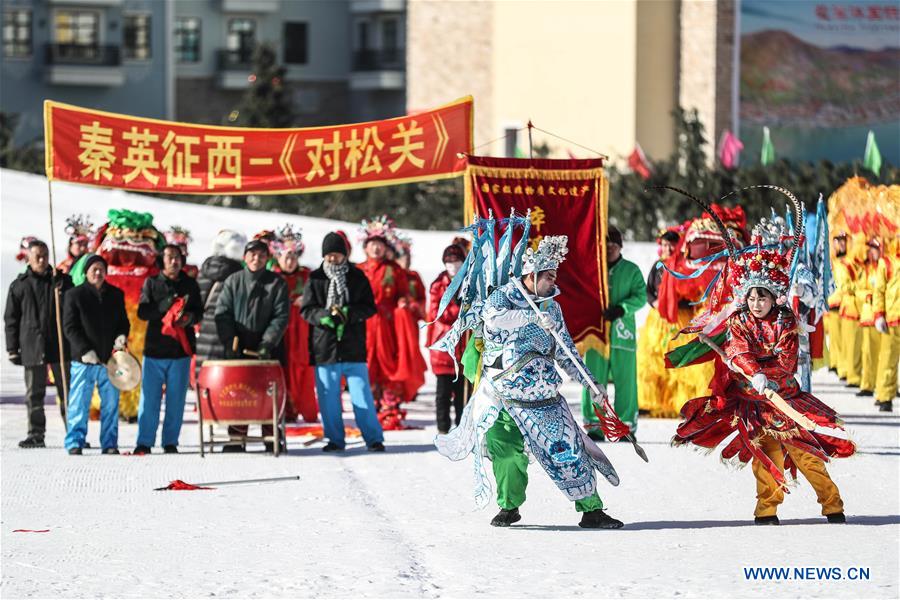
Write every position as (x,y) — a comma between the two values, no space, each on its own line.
(452,268)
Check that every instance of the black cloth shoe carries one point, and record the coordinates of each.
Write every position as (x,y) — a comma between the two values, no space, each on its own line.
(170,449)
(773,520)
(74,451)
(110,451)
(32,442)
(505,518)
(332,447)
(141,450)
(864,394)
(376,447)
(597,519)
(234,448)
(886,406)
(836,518)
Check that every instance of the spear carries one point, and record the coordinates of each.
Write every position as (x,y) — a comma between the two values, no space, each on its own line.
(576,361)
(776,399)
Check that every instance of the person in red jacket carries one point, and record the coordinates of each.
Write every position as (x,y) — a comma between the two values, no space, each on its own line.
(81,232)
(300,375)
(389,284)
(450,381)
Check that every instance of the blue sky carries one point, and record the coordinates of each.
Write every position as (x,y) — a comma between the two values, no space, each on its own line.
(799,18)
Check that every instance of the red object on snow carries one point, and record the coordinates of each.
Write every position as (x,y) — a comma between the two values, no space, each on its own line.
(31,531)
(638,163)
(183,485)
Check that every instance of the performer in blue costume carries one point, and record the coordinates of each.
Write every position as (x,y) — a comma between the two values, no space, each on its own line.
(517,401)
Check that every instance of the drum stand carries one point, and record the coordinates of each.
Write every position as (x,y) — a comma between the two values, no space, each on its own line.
(278,424)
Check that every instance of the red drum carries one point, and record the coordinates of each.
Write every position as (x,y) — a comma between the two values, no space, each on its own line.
(236,392)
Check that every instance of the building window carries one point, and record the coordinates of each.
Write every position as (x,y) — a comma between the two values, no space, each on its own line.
(16,33)
(76,34)
(362,38)
(137,37)
(187,39)
(389,40)
(295,43)
(241,40)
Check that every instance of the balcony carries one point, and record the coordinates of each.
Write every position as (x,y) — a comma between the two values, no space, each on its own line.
(250,6)
(234,68)
(77,64)
(379,69)
(377,6)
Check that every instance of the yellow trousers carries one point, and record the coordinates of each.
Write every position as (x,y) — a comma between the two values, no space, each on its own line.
(832,323)
(769,494)
(869,349)
(888,357)
(851,358)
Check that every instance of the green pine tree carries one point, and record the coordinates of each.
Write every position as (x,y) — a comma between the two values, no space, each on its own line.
(266,103)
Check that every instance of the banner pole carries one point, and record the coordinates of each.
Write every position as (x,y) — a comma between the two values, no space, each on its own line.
(530,144)
(56,299)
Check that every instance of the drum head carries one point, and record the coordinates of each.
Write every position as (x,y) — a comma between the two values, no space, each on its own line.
(124,371)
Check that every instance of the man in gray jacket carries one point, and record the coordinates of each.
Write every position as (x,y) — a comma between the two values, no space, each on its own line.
(252,316)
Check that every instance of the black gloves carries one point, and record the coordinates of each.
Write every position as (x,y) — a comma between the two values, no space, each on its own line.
(15,358)
(166,303)
(613,312)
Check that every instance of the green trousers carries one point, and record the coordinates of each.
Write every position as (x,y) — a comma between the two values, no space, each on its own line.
(507,449)
(621,370)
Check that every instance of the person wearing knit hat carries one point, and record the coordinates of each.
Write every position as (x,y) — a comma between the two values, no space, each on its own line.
(299,375)
(627,294)
(96,324)
(450,388)
(389,285)
(337,303)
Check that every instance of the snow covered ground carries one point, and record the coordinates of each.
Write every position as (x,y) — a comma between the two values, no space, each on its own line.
(402,524)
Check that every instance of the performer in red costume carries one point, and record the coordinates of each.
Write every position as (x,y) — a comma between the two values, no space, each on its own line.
(389,284)
(181,237)
(288,247)
(410,310)
(81,232)
(756,399)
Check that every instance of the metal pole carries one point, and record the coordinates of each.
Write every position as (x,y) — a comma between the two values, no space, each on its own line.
(530,144)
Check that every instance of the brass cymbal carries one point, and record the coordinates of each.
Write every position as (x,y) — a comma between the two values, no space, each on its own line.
(124,371)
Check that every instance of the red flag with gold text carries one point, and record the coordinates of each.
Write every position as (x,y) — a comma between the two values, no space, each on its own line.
(565,197)
(121,151)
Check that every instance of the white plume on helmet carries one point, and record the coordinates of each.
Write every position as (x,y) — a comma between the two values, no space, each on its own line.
(229,244)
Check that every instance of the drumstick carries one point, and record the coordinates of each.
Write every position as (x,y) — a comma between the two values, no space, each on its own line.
(234,344)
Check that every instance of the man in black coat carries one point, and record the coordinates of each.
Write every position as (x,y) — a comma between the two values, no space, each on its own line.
(96,325)
(336,302)
(170,302)
(32,340)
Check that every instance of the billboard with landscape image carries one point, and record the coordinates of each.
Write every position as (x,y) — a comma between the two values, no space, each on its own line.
(820,75)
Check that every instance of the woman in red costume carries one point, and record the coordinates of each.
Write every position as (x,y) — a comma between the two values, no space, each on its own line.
(288,247)
(389,284)
(755,395)
(410,310)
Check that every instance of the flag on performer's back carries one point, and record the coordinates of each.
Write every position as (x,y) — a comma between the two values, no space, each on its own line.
(767,153)
(729,149)
(638,163)
(872,158)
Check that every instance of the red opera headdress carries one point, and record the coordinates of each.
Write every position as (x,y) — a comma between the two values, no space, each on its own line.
(22,254)
(79,227)
(379,228)
(178,235)
(288,239)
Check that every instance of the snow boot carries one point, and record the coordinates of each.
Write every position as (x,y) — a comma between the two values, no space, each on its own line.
(771,520)
(32,442)
(597,519)
(505,518)
(836,518)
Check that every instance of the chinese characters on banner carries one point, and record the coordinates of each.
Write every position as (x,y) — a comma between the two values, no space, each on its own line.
(566,197)
(120,151)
